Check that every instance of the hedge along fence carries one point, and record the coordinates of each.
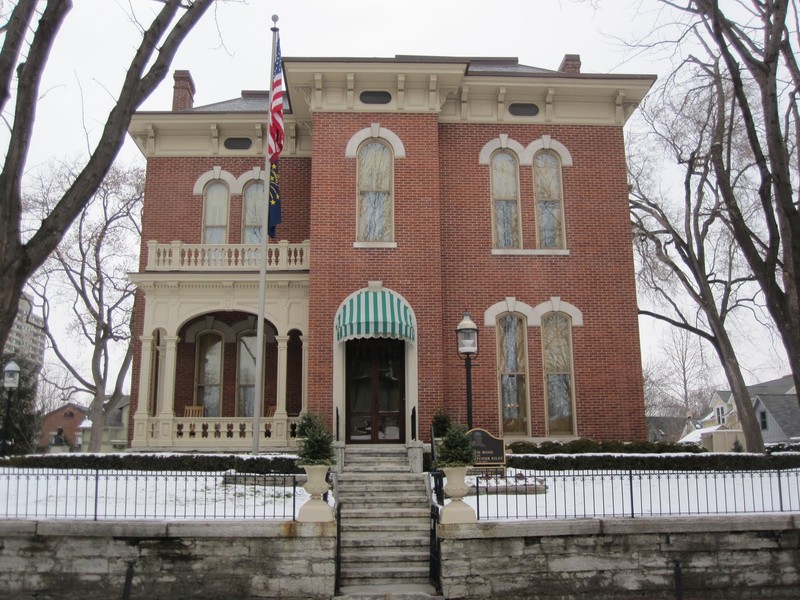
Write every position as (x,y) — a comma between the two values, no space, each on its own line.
(281,464)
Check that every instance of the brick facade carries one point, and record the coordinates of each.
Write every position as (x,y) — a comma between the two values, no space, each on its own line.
(443,263)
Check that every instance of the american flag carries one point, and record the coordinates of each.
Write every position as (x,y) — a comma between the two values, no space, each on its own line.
(276,108)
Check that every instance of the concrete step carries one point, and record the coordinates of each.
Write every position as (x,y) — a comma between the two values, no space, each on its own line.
(374,468)
(381,504)
(350,513)
(392,591)
(362,540)
(380,525)
(387,555)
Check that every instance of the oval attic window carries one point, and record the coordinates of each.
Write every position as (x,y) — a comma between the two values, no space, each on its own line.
(375,97)
(238,143)
(523,109)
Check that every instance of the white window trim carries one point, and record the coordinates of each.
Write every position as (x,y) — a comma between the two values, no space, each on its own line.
(529,252)
(502,142)
(384,245)
(216,173)
(372,132)
(548,143)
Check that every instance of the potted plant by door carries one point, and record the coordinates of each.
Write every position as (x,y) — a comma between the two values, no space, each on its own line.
(454,456)
(315,455)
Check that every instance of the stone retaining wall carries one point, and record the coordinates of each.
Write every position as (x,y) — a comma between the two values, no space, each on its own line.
(190,559)
(720,557)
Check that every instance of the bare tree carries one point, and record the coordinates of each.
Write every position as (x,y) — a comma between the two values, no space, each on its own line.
(689,263)
(753,45)
(27,37)
(88,271)
(677,380)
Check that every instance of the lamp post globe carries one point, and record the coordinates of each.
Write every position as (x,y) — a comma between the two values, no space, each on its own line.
(10,382)
(467,339)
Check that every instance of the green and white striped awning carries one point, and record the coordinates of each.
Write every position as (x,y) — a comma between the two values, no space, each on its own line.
(375,313)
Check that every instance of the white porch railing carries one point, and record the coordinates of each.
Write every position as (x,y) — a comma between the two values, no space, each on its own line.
(217,433)
(177,256)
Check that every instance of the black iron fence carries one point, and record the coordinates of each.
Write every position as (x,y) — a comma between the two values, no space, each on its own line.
(99,494)
(528,494)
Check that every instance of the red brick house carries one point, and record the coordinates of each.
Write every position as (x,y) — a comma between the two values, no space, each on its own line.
(68,418)
(414,189)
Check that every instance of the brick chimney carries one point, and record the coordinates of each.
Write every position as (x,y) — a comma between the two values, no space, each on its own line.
(571,64)
(183,91)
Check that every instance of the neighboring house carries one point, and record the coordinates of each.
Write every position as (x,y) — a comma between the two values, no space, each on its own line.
(68,418)
(779,417)
(665,429)
(775,405)
(115,432)
(27,338)
(412,189)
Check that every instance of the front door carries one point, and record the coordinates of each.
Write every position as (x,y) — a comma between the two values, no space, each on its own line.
(375,381)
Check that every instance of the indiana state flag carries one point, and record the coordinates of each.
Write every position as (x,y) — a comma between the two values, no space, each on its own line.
(274,200)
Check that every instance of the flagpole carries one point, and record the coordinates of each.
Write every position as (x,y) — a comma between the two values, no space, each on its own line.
(258,400)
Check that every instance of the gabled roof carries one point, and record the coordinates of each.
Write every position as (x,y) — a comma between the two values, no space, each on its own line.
(783,385)
(785,409)
(71,405)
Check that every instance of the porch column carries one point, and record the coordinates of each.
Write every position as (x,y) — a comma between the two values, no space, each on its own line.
(281,420)
(304,377)
(142,409)
(166,408)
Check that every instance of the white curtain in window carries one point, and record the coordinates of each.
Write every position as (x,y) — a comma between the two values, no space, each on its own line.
(215,214)
(246,375)
(375,171)
(253,207)
(209,376)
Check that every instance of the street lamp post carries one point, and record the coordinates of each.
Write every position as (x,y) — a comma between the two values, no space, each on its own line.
(10,382)
(467,338)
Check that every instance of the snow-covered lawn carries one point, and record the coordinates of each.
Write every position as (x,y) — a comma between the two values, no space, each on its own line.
(586,494)
(90,494)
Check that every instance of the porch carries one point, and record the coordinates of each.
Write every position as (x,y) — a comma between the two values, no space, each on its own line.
(216,434)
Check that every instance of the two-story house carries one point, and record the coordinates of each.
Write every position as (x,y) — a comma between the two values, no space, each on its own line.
(414,189)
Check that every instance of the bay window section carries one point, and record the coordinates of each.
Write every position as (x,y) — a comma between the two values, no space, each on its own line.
(513,373)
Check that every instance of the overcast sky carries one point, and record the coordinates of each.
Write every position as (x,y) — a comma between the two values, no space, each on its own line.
(230,51)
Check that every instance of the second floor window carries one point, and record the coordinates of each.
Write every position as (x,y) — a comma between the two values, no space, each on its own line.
(375,203)
(505,200)
(549,200)
(253,210)
(215,214)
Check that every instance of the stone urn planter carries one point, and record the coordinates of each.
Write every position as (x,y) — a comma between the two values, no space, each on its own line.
(456,488)
(316,509)
(315,455)
(454,456)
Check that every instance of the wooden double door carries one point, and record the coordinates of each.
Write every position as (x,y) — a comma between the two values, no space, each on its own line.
(375,396)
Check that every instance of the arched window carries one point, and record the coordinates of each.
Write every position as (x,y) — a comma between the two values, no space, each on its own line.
(215,214)
(558,378)
(246,376)
(512,369)
(375,204)
(549,200)
(209,373)
(253,210)
(505,199)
